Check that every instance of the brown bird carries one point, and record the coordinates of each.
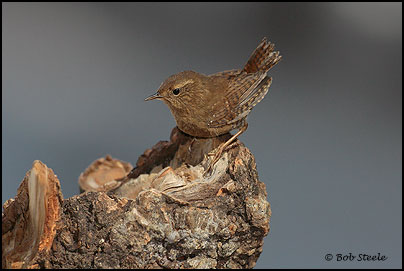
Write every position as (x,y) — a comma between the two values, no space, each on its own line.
(212,105)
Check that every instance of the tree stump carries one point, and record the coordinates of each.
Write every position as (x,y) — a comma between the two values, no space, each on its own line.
(161,214)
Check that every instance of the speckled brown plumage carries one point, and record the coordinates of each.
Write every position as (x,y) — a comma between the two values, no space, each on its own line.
(208,106)
(212,105)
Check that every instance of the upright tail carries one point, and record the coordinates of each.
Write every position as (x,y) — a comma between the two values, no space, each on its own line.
(263,58)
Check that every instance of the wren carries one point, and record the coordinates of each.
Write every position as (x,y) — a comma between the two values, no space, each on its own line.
(212,105)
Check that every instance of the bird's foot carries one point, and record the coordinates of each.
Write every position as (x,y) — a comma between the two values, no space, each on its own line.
(190,145)
(217,154)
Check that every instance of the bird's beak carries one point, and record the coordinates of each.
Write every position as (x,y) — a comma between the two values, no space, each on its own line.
(154,96)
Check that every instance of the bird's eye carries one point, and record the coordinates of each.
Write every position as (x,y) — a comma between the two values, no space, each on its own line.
(176,91)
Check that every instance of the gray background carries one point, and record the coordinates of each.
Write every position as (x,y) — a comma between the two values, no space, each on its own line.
(327,138)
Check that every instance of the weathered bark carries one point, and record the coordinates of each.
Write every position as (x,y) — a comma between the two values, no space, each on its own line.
(163,214)
(29,220)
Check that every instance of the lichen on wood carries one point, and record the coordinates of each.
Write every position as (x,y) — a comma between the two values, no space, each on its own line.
(163,214)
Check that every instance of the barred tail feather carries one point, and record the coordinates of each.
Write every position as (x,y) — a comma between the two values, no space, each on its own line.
(263,58)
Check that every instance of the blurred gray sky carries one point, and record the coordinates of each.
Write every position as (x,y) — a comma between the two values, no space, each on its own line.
(327,139)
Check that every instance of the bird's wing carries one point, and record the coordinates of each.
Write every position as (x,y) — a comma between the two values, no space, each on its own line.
(251,99)
(246,87)
(233,106)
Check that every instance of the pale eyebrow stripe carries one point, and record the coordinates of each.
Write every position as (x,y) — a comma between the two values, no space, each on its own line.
(180,85)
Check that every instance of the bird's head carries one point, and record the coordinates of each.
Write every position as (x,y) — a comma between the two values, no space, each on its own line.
(178,90)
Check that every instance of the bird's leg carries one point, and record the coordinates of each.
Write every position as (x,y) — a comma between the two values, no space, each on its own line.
(221,148)
(190,145)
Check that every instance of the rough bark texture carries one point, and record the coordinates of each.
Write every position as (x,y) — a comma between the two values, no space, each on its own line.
(29,220)
(163,214)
